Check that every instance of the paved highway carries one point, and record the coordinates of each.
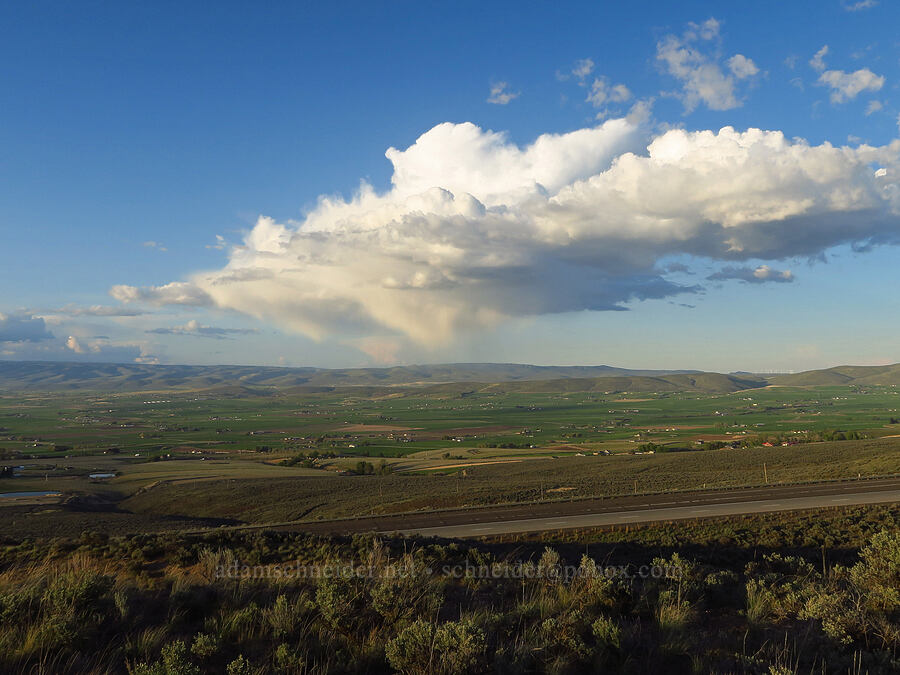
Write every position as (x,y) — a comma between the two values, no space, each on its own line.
(622,510)
(654,514)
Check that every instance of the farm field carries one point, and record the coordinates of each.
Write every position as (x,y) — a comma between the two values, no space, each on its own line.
(198,459)
(407,423)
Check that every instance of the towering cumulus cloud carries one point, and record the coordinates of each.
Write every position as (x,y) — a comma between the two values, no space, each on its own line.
(476,229)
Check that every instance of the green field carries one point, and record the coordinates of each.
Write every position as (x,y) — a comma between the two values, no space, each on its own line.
(204,459)
(408,422)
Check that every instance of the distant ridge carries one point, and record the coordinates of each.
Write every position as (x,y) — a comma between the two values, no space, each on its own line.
(65,376)
(48,376)
(860,375)
(703,382)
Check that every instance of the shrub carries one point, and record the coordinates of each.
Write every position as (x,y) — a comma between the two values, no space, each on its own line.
(606,632)
(760,602)
(174,662)
(204,646)
(412,651)
(343,604)
(877,574)
(240,666)
(446,649)
(288,660)
(406,593)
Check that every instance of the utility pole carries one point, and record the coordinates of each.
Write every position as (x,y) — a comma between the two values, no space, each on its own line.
(766,473)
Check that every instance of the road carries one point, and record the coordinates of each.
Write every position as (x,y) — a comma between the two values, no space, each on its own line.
(586,513)
(654,515)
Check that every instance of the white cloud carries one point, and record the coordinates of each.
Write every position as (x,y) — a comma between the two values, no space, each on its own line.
(582,69)
(25,337)
(818,60)
(742,67)
(847,86)
(844,86)
(73,344)
(196,329)
(219,245)
(175,293)
(639,114)
(873,107)
(501,94)
(750,275)
(477,230)
(601,93)
(701,74)
(860,5)
(154,244)
(93,310)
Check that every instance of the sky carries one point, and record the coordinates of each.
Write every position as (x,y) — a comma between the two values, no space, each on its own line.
(695,185)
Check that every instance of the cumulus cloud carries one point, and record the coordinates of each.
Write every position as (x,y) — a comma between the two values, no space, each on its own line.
(501,94)
(195,329)
(476,229)
(154,244)
(701,74)
(23,328)
(98,349)
(602,92)
(751,275)
(742,67)
(73,344)
(845,86)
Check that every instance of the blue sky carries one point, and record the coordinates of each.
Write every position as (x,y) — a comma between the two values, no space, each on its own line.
(142,143)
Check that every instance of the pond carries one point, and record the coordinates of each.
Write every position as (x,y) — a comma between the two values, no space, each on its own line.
(102,475)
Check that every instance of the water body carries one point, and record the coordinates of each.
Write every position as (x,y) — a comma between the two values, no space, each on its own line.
(102,475)
(13,495)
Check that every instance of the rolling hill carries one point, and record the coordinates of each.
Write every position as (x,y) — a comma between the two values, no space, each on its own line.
(858,375)
(703,382)
(249,380)
(451,378)
(57,376)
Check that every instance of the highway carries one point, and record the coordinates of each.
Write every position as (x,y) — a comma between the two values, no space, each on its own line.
(622,510)
(654,515)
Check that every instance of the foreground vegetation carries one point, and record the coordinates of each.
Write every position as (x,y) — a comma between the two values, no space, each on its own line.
(225,602)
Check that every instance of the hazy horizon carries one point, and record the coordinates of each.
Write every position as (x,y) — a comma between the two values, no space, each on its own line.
(628,367)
